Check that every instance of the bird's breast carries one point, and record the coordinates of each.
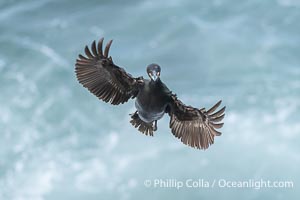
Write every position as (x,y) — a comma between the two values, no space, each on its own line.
(148,115)
(151,103)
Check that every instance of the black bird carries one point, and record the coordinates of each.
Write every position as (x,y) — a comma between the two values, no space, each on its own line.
(97,72)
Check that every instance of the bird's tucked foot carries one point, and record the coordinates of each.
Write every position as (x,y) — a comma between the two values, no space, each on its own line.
(155,125)
(143,127)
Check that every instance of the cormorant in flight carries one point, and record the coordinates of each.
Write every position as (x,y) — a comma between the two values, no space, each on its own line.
(194,127)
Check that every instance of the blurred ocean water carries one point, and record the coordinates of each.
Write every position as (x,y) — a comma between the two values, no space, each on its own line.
(60,142)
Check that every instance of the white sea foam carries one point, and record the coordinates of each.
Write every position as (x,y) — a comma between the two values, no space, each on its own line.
(58,141)
(2,64)
(41,48)
(97,31)
(112,141)
(19,8)
(94,171)
(288,3)
(35,186)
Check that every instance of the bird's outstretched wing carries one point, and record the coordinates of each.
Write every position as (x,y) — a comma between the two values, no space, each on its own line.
(102,77)
(195,127)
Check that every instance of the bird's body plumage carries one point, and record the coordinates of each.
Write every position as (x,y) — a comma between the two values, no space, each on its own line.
(152,100)
(110,83)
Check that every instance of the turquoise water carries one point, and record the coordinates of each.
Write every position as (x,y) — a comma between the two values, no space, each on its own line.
(60,142)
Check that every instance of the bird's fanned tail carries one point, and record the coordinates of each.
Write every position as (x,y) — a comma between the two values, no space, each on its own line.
(143,127)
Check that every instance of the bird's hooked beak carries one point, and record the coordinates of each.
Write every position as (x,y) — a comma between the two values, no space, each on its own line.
(154,75)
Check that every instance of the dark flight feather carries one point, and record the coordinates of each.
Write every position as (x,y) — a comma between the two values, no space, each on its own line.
(102,77)
(195,127)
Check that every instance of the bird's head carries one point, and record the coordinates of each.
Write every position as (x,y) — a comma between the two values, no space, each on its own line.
(153,70)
